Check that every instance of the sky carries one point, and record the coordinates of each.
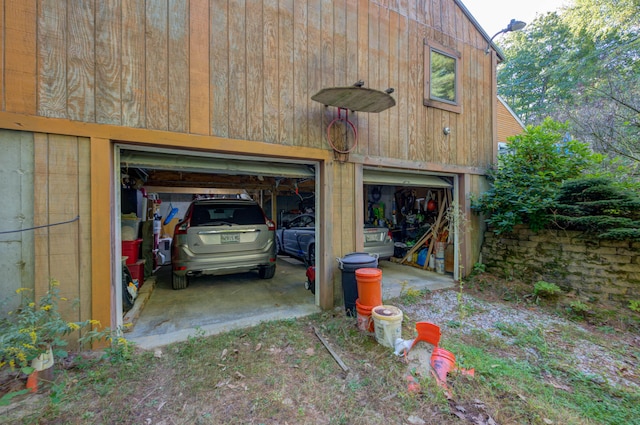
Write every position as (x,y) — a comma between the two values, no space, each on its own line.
(494,15)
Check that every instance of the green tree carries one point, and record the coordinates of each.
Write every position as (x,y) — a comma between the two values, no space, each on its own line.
(598,207)
(531,78)
(526,180)
(581,65)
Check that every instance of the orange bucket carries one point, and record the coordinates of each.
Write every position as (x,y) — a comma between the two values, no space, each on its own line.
(442,362)
(369,282)
(365,322)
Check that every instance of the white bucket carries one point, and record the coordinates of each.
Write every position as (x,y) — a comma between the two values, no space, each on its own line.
(387,323)
(440,264)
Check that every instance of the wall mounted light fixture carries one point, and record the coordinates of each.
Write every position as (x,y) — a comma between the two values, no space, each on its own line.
(513,26)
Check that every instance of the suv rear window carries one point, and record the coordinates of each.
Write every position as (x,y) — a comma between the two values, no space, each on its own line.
(230,213)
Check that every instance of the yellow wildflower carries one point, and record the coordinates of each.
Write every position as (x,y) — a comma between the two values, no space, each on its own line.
(20,290)
(21,356)
(46,307)
(94,322)
(32,304)
(2,364)
(55,282)
(28,346)
(73,326)
(34,336)
(12,364)
(63,298)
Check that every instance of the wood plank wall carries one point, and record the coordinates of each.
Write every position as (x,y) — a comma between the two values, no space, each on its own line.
(62,193)
(16,248)
(246,69)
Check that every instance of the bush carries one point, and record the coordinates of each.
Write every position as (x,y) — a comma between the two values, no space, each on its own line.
(597,206)
(544,289)
(526,181)
(35,328)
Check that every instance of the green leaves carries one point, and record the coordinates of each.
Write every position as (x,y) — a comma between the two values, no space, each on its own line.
(527,180)
(597,206)
(34,328)
(579,65)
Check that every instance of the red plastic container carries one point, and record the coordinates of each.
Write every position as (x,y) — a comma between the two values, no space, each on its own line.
(131,249)
(137,271)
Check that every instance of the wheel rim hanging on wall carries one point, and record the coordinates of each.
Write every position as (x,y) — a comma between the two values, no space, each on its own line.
(355,99)
(347,125)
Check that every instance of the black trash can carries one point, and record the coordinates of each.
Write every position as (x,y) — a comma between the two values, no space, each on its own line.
(349,264)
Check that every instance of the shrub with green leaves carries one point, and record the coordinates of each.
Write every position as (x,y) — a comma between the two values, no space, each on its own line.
(598,207)
(544,289)
(36,327)
(579,309)
(526,181)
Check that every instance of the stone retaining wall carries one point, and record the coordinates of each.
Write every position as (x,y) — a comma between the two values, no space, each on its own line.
(604,271)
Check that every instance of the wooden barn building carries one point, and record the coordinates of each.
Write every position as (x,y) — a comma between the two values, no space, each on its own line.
(174,98)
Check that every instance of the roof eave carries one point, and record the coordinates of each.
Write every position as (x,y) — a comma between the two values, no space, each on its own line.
(480,29)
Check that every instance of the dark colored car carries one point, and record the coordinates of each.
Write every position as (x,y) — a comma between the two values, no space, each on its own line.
(223,236)
(298,239)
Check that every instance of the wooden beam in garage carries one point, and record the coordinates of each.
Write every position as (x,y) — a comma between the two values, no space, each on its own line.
(180,179)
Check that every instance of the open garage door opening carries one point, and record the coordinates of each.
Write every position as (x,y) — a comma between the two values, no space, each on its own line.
(415,208)
(199,246)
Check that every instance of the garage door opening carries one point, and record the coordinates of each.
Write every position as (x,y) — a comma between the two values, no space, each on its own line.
(417,210)
(155,191)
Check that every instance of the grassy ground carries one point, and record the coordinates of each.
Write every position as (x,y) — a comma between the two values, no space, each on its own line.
(281,373)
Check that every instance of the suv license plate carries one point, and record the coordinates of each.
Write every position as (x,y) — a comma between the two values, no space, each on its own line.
(232,238)
(371,238)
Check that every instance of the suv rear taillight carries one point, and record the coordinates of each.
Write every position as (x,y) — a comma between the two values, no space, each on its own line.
(390,235)
(182,227)
(270,224)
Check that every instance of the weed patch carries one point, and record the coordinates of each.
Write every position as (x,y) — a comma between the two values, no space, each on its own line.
(531,366)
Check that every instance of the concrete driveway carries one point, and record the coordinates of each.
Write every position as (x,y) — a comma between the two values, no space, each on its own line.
(216,304)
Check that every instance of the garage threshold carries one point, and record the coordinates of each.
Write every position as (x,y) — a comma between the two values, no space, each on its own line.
(214,305)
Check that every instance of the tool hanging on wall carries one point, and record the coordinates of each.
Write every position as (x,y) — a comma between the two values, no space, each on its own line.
(172,212)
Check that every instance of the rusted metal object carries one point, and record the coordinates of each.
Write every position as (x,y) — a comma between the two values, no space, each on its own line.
(355,98)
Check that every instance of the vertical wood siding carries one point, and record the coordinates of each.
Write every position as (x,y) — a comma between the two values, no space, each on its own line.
(61,193)
(16,192)
(134,105)
(246,69)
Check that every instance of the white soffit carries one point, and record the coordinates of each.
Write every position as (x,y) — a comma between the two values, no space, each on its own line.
(396,178)
(213,164)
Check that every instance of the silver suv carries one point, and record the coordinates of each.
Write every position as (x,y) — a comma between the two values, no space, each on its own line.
(223,236)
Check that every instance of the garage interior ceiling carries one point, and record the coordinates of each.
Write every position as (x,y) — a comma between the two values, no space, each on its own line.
(185,170)
(396,178)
